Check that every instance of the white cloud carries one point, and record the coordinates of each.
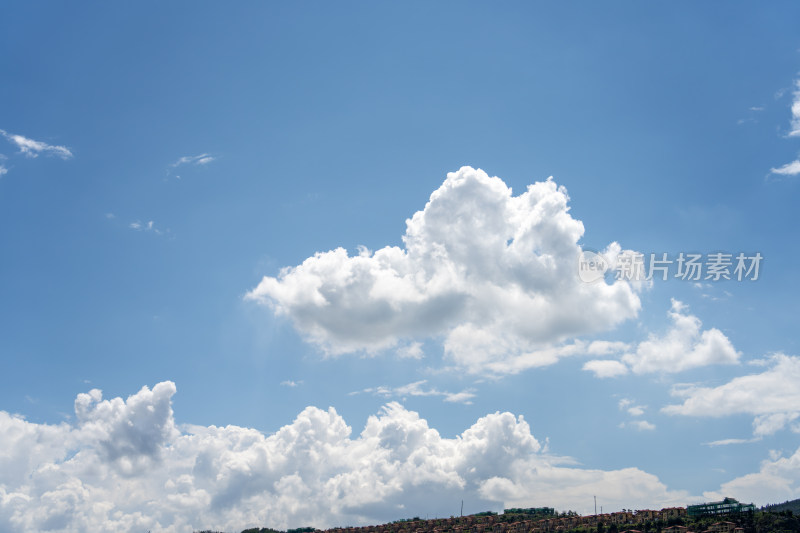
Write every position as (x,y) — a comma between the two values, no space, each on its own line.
(629,406)
(793,168)
(683,347)
(768,424)
(773,396)
(726,442)
(31,148)
(641,425)
(606,368)
(777,480)
(626,404)
(291,383)
(411,351)
(789,169)
(495,275)
(795,131)
(202,159)
(3,170)
(465,397)
(417,389)
(124,465)
(148,226)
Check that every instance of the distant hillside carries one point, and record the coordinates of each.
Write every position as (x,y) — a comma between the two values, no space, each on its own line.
(776,518)
(793,506)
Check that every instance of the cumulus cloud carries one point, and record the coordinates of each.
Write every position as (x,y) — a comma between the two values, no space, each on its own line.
(30,148)
(683,347)
(494,275)
(125,465)
(777,480)
(772,396)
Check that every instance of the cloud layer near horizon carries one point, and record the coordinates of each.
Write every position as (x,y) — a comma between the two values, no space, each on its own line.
(125,465)
(495,275)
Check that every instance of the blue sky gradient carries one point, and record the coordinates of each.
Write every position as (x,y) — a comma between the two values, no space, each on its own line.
(179,153)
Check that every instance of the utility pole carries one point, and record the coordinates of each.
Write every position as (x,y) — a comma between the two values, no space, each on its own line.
(462,508)
(595,505)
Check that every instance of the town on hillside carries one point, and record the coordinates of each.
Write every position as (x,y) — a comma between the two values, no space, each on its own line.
(725,516)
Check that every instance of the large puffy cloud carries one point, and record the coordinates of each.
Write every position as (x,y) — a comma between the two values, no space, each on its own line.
(772,396)
(125,466)
(131,430)
(495,275)
(685,345)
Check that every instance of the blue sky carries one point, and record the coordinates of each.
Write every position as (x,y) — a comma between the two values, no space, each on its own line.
(176,180)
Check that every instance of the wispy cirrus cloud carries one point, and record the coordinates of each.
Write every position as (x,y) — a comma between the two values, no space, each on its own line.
(417,388)
(148,226)
(31,148)
(728,442)
(789,169)
(202,159)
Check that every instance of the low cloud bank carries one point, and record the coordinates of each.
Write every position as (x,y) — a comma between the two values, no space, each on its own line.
(124,465)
